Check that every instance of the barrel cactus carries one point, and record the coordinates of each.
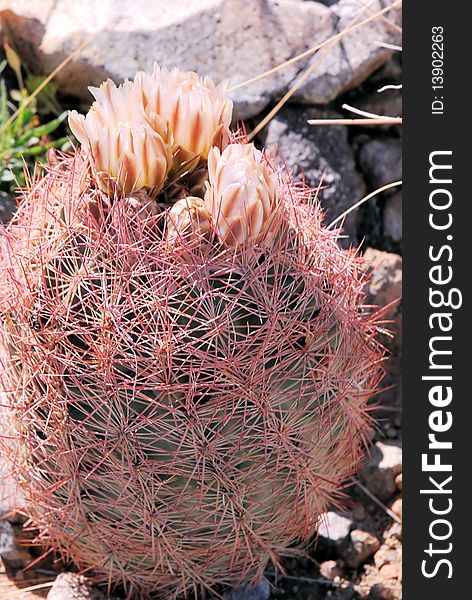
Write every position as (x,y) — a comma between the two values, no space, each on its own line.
(185,357)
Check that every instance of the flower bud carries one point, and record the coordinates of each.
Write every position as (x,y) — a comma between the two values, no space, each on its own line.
(241,195)
(187,215)
(124,145)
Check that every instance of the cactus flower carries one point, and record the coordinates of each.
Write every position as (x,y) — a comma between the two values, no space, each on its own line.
(124,144)
(241,195)
(197,110)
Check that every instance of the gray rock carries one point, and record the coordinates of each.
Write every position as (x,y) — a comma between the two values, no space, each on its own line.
(345,65)
(358,547)
(248,591)
(381,468)
(231,39)
(10,496)
(320,154)
(392,217)
(70,586)
(7,541)
(388,103)
(7,207)
(13,555)
(381,161)
(389,73)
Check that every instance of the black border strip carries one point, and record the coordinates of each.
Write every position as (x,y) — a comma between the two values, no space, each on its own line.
(425,132)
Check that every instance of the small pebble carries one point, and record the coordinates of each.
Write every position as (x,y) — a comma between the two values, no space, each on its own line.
(397,507)
(390,571)
(395,531)
(71,586)
(330,569)
(381,468)
(359,511)
(334,527)
(383,592)
(359,547)
(389,553)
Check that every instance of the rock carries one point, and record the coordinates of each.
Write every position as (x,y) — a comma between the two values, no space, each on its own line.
(6,492)
(7,540)
(319,154)
(221,38)
(7,207)
(358,547)
(70,586)
(260,591)
(381,161)
(385,287)
(359,511)
(333,529)
(330,569)
(395,531)
(397,507)
(381,587)
(390,571)
(13,555)
(388,103)
(345,65)
(399,481)
(389,73)
(381,591)
(389,553)
(380,469)
(334,526)
(10,497)
(392,217)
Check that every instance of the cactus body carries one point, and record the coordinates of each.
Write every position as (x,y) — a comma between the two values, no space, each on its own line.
(178,411)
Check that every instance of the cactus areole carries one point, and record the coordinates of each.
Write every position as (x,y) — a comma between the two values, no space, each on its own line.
(185,358)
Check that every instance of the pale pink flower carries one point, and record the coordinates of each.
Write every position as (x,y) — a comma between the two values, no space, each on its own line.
(124,144)
(197,110)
